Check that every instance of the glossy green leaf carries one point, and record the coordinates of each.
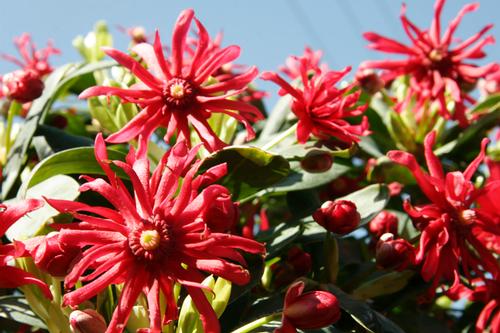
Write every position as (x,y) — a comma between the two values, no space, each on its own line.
(56,187)
(69,162)
(56,84)
(361,312)
(16,308)
(298,179)
(383,285)
(248,167)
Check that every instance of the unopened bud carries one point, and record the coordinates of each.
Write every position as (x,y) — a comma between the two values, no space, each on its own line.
(340,216)
(369,81)
(87,321)
(223,214)
(22,86)
(317,161)
(311,310)
(393,253)
(383,223)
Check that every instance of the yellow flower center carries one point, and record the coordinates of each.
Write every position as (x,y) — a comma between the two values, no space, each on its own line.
(177,90)
(150,240)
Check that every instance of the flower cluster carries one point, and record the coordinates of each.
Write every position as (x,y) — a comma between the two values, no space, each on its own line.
(348,196)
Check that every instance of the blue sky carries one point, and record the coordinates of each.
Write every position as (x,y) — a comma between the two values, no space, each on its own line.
(267,31)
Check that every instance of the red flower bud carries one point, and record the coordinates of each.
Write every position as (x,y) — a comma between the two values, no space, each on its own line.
(298,263)
(393,253)
(223,214)
(50,255)
(87,321)
(317,161)
(340,216)
(383,223)
(22,86)
(311,310)
(369,81)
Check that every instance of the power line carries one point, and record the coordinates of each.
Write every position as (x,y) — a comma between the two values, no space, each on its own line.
(308,27)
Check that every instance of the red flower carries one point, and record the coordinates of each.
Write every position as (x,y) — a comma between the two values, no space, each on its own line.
(339,216)
(13,277)
(152,238)
(320,107)
(311,59)
(435,68)
(486,291)
(490,206)
(175,93)
(491,83)
(137,34)
(31,58)
(450,222)
(311,310)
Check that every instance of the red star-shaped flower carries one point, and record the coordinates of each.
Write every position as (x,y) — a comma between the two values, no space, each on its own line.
(450,222)
(175,92)
(152,238)
(435,68)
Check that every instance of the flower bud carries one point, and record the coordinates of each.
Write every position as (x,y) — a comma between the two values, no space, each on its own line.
(340,216)
(317,161)
(223,214)
(22,86)
(87,321)
(369,81)
(393,253)
(298,263)
(383,223)
(51,256)
(311,310)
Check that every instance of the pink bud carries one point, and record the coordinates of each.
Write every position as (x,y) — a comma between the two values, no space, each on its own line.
(382,223)
(317,161)
(223,214)
(22,86)
(311,310)
(393,253)
(369,81)
(87,321)
(340,216)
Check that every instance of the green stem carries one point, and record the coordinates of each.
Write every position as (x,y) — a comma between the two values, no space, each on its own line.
(14,108)
(280,137)
(258,323)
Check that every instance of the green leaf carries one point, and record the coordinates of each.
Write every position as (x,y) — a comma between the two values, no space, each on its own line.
(383,285)
(56,187)
(248,168)
(298,151)
(369,201)
(299,179)
(474,133)
(492,102)
(16,308)
(72,161)
(368,318)
(276,118)
(56,84)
